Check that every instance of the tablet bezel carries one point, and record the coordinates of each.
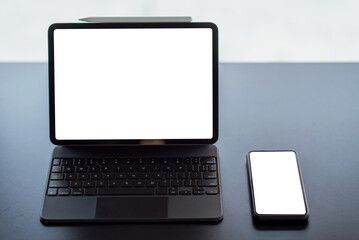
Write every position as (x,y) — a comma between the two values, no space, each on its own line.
(51,30)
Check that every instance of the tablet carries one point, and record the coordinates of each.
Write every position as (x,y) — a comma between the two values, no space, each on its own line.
(128,83)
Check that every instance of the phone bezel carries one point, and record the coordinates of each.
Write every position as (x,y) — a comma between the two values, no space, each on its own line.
(276,217)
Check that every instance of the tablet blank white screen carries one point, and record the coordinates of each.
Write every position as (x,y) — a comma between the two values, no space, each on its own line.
(133,83)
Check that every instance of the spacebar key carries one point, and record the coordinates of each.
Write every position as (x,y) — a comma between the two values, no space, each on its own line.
(127,191)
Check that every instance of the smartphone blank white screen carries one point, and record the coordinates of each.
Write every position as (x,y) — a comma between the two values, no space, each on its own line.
(276,183)
(133,83)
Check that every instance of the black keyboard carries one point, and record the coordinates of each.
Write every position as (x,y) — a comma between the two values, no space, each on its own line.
(133,176)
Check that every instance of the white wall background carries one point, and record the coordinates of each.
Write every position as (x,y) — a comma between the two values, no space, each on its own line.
(250,30)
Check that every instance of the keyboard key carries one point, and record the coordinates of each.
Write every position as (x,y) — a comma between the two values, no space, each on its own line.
(195,160)
(56,161)
(162,191)
(172,191)
(131,168)
(90,191)
(108,176)
(210,175)
(127,183)
(115,161)
(89,184)
(69,169)
(128,161)
(190,183)
(212,168)
(57,176)
(67,162)
(64,191)
(105,169)
(95,176)
(176,183)
(158,175)
(207,183)
(203,168)
(146,176)
(177,161)
(83,176)
(117,168)
(58,184)
(155,168)
(187,160)
(212,192)
(77,192)
(56,169)
(76,184)
(120,176)
(71,176)
(168,169)
(52,191)
(142,169)
(102,183)
(152,183)
(81,169)
(92,161)
(94,168)
(139,183)
(192,168)
(153,161)
(79,161)
(170,175)
(133,176)
(182,175)
(185,192)
(180,168)
(198,191)
(103,161)
(127,191)
(196,175)
(208,160)
(164,183)
(140,161)
(114,183)
(164,161)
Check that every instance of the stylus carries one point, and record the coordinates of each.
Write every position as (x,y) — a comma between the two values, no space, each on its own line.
(135,19)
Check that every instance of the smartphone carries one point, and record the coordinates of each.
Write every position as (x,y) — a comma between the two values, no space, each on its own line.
(276,186)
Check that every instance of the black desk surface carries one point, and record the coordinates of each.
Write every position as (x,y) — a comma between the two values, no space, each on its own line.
(310,108)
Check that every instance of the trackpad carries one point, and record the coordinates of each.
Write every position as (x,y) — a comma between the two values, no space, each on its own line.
(132,207)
